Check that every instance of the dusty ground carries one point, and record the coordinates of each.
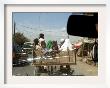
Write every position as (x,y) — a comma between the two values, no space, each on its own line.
(81,68)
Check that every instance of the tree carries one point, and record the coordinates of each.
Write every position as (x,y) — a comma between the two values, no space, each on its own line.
(20,39)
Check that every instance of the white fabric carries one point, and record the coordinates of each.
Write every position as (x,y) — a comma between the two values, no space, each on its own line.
(62,40)
(40,40)
(38,47)
(66,45)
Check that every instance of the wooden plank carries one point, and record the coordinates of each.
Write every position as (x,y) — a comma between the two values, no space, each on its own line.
(53,63)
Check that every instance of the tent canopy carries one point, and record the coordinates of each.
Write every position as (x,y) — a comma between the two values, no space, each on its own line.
(66,45)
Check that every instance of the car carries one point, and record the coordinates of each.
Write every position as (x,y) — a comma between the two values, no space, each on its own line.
(28,47)
(20,57)
(20,62)
(29,43)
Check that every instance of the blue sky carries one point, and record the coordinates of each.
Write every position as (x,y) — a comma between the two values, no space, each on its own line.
(53,25)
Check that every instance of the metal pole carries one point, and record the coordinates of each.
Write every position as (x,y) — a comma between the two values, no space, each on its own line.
(75,55)
(68,53)
(33,54)
(14,28)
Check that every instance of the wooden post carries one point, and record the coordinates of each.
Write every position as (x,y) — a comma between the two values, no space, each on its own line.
(68,53)
(75,55)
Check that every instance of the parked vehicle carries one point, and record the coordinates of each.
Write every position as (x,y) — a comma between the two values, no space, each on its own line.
(20,57)
(28,47)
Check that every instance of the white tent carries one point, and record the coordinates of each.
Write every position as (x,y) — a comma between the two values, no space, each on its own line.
(66,45)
